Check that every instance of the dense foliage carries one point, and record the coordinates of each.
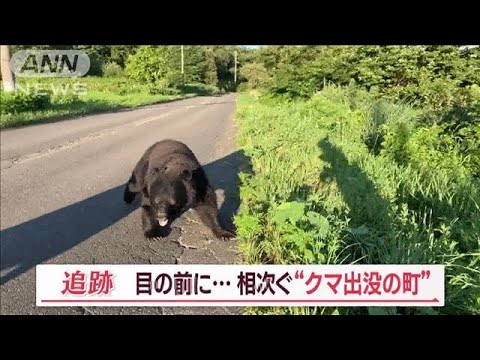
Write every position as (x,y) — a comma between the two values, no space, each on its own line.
(365,154)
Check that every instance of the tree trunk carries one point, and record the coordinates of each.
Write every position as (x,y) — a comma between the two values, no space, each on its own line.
(8,79)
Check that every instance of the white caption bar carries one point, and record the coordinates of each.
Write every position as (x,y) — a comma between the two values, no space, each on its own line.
(240,285)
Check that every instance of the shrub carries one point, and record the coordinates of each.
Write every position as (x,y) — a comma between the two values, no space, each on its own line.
(112,69)
(65,99)
(198,88)
(255,73)
(242,87)
(16,102)
(153,65)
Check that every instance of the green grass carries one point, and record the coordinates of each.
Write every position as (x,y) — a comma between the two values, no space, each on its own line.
(324,192)
(102,94)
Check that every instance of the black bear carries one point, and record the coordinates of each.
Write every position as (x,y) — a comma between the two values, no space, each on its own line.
(172,181)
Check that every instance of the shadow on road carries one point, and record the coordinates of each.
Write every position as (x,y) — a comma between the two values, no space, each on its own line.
(25,245)
(223,174)
(35,241)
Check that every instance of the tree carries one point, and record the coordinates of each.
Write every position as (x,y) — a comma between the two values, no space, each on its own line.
(8,79)
(157,66)
(98,54)
(255,74)
(120,53)
(210,76)
(225,64)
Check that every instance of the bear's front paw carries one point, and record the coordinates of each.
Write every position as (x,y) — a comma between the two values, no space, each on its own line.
(225,234)
(153,234)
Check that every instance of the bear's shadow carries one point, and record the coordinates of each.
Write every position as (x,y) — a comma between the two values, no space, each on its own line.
(35,241)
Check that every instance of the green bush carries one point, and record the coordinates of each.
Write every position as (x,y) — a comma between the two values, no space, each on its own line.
(242,87)
(433,77)
(153,65)
(256,74)
(384,119)
(198,88)
(16,102)
(451,143)
(96,64)
(112,69)
(162,87)
(113,85)
(65,99)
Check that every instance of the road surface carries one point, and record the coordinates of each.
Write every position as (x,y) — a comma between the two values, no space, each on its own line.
(61,196)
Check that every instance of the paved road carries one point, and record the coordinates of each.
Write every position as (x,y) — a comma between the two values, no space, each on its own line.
(61,196)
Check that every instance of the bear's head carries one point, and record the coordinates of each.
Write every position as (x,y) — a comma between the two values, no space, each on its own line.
(169,193)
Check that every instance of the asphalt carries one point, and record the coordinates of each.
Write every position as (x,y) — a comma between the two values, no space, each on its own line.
(61,197)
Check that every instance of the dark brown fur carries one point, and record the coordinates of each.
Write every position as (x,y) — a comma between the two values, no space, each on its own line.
(172,181)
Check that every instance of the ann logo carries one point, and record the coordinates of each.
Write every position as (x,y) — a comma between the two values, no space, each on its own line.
(59,64)
(50,63)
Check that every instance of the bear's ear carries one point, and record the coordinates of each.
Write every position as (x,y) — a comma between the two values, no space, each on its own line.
(187,174)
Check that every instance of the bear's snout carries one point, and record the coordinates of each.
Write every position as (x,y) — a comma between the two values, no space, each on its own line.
(162,221)
(162,217)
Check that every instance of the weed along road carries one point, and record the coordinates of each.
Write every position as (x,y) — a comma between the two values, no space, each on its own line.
(62,196)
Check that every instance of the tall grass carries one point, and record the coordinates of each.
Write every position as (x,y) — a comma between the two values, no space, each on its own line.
(326,189)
